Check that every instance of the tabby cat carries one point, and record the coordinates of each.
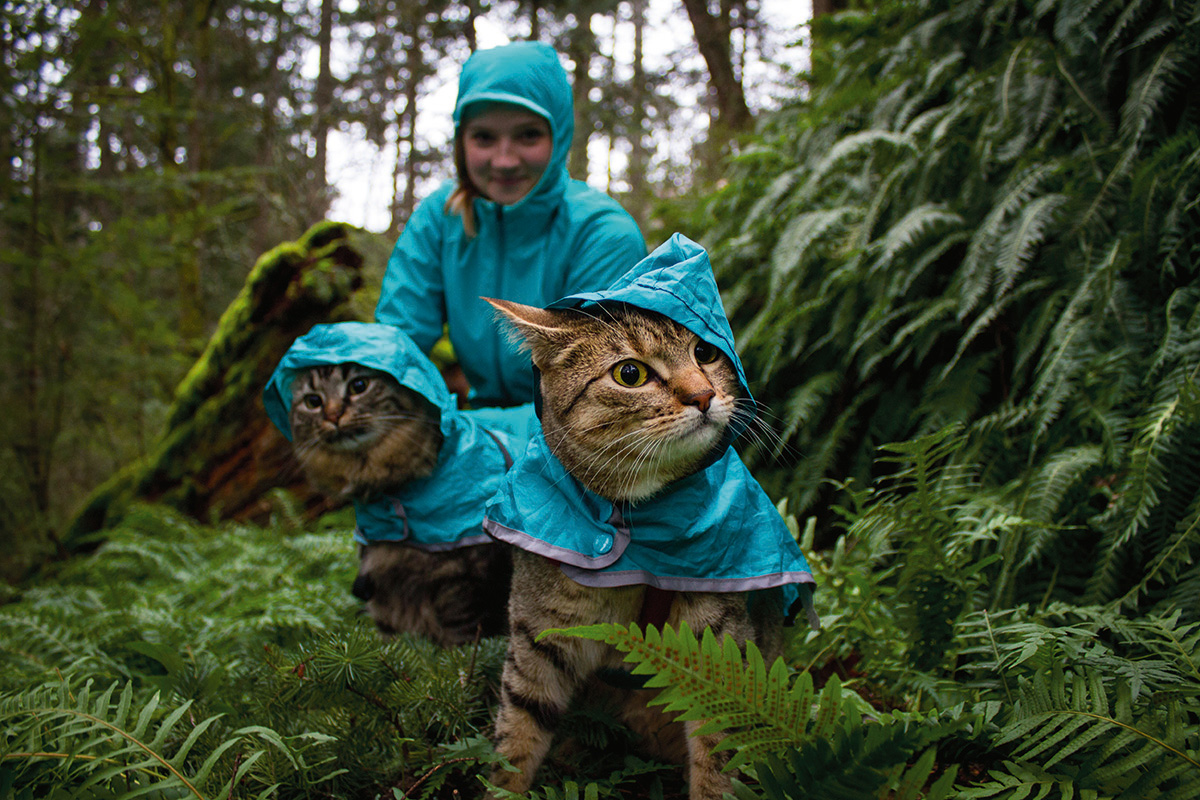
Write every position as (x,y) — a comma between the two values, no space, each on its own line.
(632,401)
(359,434)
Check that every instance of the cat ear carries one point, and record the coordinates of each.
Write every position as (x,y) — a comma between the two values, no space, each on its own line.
(544,331)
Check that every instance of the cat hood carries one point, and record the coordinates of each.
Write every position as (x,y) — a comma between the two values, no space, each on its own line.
(444,510)
(676,280)
(715,530)
(529,75)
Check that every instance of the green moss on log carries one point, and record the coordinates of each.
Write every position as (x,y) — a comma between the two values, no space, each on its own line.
(219,455)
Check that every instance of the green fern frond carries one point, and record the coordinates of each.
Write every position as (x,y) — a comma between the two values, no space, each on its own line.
(858,146)
(808,401)
(987,318)
(1019,246)
(1176,554)
(106,743)
(1126,25)
(1172,67)
(918,223)
(877,759)
(1114,744)
(766,205)
(1060,473)
(706,680)
(975,276)
(803,239)
(1147,478)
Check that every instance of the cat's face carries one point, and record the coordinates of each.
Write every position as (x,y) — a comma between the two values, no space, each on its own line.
(357,431)
(631,399)
(346,406)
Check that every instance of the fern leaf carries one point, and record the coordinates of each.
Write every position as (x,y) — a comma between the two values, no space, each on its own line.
(1020,245)
(802,236)
(704,680)
(919,222)
(1152,91)
(1071,721)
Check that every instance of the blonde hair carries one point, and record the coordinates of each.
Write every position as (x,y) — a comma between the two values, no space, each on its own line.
(462,199)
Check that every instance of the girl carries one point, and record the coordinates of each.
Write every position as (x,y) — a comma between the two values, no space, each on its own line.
(514,225)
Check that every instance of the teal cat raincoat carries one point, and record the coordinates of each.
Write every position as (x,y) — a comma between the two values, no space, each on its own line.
(714,531)
(444,510)
(562,237)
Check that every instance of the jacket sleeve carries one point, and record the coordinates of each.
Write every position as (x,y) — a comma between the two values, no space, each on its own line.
(412,296)
(607,245)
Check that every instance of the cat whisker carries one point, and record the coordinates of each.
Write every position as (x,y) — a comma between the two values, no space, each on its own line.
(758,430)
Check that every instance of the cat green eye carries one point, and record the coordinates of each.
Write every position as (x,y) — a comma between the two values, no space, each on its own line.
(313,401)
(706,353)
(630,374)
(358,386)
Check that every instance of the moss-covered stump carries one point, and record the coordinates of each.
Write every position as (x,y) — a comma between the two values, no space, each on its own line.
(220,457)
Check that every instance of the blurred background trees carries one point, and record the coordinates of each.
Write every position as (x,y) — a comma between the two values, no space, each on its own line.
(152,151)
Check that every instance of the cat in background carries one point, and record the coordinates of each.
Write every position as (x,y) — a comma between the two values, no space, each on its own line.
(633,404)
(358,434)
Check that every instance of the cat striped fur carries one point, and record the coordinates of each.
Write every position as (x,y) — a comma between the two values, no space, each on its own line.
(631,401)
(359,434)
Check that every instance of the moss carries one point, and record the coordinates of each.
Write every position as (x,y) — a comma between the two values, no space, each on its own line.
(219,454)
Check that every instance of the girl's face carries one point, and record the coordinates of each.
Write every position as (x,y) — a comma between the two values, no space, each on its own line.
(506,150)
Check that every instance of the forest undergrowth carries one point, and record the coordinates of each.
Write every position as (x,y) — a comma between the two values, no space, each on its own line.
(963,277)
(183,660)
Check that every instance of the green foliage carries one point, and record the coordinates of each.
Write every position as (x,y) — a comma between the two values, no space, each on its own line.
(984,215)
(962,271)
(808,743)
(236,666)
(62,742)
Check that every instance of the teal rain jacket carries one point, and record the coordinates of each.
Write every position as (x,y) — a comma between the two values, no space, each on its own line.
(445,510)
(562,237)
(714,531)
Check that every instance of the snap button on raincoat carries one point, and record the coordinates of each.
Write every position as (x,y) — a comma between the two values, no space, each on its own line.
(562,237)
(444,510)
(714,531)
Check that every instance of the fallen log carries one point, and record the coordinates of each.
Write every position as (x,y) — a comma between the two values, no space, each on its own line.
(219,456)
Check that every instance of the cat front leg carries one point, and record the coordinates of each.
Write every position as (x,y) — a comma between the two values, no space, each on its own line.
(706,781)
(726,615)
(537,684)
(542,676)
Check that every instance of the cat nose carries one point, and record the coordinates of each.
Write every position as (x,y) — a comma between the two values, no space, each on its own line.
(700,399)
(333,411)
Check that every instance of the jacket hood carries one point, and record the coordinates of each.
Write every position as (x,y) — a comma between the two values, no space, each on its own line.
(381,347)
(526,74)
(676,280)
(439,512)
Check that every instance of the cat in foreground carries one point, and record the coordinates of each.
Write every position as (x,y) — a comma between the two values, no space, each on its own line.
(639,411)
(424,565)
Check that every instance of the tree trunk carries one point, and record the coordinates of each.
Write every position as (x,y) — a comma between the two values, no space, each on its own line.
(582,46)
(822,7)
(639,155)
(408,166)
(713,39)
(323,101)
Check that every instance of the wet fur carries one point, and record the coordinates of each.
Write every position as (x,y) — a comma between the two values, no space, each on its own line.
(368,443)
(626,445)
